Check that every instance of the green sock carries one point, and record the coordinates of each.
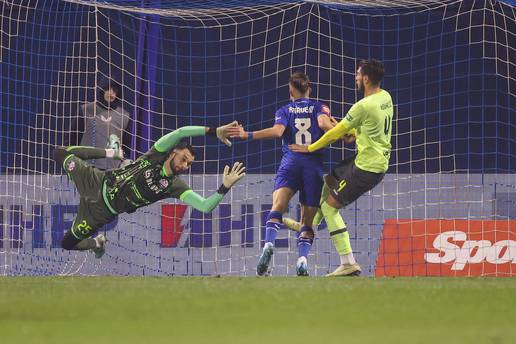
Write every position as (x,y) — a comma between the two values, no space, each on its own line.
(337,228)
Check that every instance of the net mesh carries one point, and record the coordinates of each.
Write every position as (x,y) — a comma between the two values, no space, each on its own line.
(450,69)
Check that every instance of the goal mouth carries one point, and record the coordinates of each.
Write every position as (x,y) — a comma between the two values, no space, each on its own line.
(452,171)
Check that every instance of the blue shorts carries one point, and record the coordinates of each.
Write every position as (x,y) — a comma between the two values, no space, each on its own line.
(304,175)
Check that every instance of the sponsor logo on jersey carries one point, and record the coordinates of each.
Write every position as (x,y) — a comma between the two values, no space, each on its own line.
(385,106)
(70,166)
(419,247)
(149,179)
(163,183)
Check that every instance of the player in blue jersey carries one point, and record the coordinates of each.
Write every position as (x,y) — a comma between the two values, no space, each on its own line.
(302,121)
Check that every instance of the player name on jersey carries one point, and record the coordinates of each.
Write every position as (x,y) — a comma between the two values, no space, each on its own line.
(305,109)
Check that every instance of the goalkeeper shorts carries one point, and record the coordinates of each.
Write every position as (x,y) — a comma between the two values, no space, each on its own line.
(92,213)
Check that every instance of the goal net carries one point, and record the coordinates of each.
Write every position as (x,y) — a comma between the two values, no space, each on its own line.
(447,205)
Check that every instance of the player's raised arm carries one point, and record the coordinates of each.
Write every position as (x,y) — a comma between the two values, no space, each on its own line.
(168,141)
(273,132)
(206,205)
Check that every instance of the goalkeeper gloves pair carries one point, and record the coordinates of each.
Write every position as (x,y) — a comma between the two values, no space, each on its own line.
(230,176)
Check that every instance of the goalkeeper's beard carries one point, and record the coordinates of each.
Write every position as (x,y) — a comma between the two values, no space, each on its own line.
(173,168)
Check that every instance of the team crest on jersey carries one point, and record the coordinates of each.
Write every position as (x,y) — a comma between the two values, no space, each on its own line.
(163,183)
(70,166)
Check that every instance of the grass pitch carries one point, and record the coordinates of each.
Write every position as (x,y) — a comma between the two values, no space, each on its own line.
(256,310)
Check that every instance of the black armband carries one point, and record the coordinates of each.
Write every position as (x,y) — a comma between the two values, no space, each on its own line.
(222,189)
(212,131)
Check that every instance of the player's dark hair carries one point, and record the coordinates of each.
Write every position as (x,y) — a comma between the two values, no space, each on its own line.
(300,82)
(373,69)
(185,145)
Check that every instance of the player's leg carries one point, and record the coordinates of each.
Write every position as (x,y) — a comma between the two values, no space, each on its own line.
(305,238)
(339,185)
(324,194)
(92,213)
(296,225)
(346,185)
(340,238)
(61,154)
(96,244)
(87,178)
(80,236)
(115,144)
(280,200)
(309,197)
(288,180)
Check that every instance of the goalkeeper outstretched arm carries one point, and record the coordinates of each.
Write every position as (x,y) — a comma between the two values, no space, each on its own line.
(164,144)
(206,205)
(168,141)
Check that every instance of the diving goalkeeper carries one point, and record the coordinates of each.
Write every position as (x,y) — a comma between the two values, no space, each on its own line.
(150,178)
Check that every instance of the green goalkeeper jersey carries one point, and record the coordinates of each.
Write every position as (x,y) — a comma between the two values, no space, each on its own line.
(372,118)
(144,181)
(141,183)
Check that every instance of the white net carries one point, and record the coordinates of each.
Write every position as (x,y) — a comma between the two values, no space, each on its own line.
(449,67)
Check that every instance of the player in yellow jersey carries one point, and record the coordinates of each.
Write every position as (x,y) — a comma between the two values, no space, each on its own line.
(370,120)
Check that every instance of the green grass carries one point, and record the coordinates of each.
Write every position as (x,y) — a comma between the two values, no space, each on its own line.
(256,310)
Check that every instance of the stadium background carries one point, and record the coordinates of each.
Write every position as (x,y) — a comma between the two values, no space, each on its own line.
(450,69)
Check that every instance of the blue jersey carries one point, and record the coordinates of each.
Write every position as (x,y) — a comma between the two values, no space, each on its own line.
(301,127)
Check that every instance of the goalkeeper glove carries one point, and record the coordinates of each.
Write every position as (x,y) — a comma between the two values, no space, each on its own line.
(222,132)
(230,177)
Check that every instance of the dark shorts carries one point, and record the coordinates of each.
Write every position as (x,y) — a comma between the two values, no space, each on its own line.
(303,175)
(92,213)
(347,182)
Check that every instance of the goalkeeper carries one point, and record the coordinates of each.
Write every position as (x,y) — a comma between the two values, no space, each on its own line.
(150,178)
(371,117)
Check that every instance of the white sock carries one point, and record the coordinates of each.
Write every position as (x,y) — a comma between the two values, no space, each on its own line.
(96,242)
(110,153)
(348,259)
